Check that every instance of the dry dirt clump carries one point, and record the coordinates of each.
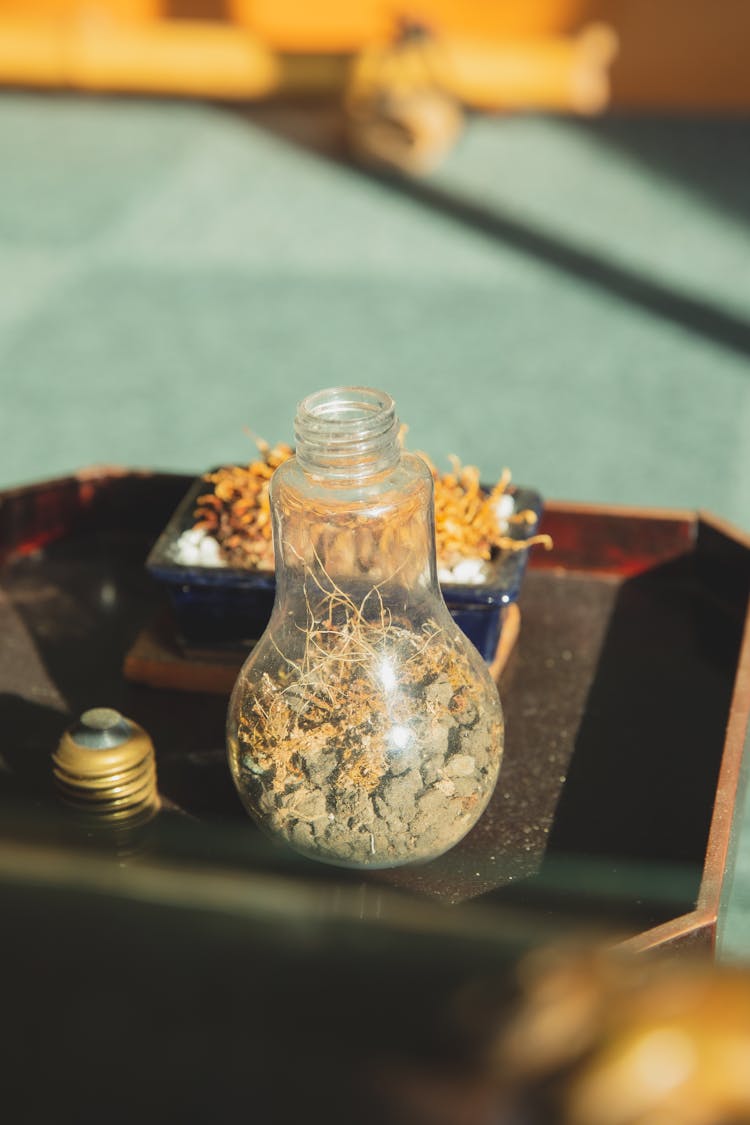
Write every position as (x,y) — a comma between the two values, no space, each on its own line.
(375,748)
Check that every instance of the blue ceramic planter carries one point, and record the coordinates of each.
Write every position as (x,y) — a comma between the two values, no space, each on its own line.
(228,607)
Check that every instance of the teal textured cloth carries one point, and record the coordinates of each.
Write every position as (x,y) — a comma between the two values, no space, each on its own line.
(172,273)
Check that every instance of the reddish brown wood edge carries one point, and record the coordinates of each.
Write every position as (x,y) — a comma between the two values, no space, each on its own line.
(613,540)
(696,930)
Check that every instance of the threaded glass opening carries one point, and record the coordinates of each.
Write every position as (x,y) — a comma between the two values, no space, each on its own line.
(347,433)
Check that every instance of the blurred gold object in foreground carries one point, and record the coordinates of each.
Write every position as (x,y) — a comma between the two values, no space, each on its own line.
(605,1040)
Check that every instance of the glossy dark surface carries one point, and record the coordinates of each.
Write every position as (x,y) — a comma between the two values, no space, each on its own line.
(616,700)
(230,607)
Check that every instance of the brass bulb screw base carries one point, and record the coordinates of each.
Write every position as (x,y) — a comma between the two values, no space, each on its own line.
(104,768)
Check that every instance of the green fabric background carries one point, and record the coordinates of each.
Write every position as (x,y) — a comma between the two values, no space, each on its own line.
(171,273)
(568,298)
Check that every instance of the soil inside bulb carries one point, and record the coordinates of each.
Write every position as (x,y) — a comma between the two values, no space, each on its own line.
(372,745)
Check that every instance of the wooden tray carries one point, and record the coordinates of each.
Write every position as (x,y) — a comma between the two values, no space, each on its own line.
(626,697)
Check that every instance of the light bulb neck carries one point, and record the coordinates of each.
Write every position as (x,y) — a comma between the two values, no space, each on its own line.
(347,434)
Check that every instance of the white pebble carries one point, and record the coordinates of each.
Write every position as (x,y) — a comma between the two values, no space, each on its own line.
(196,548)
(504,507)
(469,572)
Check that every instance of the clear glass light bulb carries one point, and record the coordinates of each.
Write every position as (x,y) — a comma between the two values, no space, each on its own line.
(364,729)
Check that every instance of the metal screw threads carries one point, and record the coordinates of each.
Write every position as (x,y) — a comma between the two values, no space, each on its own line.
(104,767)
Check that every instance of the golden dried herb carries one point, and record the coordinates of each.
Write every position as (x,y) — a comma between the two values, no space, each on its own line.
(468,521)
(237,513)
